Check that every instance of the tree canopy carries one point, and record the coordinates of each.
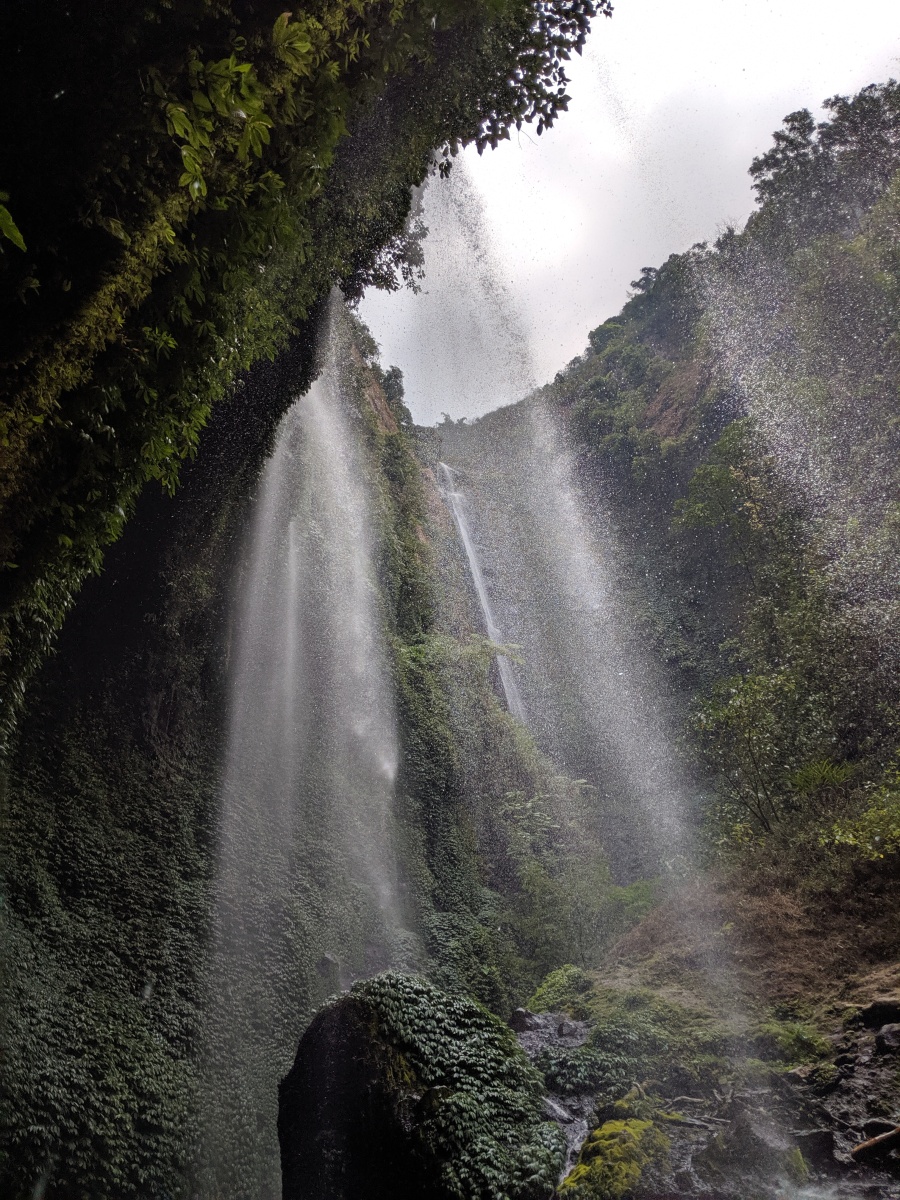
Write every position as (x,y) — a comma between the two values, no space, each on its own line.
(186,182)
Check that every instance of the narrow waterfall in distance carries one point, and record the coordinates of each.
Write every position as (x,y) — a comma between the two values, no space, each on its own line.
(594,698)
(458,506)
(306,897)
(546,570)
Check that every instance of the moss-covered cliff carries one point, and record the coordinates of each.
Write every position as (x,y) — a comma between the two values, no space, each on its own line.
(241,160)
(112,809)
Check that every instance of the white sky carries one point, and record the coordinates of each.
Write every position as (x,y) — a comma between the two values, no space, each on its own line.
(535,243)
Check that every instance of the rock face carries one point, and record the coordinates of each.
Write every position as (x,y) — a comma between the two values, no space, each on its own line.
(884,1011)
(887,1039)
(745,1127)
(856,1093)
(572,1113)
(400,1091)
(342,1131)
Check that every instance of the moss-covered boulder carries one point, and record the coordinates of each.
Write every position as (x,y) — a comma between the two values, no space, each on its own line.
(400,1089)
(612,1160)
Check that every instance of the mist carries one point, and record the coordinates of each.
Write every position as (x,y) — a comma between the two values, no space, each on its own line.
(669,106)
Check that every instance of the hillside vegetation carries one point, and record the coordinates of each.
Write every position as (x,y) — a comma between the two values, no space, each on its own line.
(739,416)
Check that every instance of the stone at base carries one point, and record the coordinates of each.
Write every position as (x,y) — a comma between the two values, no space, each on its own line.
(341,1136)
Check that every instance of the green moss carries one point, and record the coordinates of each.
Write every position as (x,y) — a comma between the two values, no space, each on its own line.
(824,1076)
(639,1103)
(635,1035)
(754,1072)
(793,1042)
(795,1166)
(612,1160)
(482,1127)
(563,990)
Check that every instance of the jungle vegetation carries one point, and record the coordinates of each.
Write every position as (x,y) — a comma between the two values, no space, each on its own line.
(216,169)
(744,405)
(183,184)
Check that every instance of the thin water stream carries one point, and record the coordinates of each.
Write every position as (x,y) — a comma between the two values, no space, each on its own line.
(546,571)
(459,507)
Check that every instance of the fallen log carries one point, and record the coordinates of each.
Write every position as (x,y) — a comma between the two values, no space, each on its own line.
(877,1147)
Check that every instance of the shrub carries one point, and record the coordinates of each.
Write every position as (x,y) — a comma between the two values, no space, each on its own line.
(563,990)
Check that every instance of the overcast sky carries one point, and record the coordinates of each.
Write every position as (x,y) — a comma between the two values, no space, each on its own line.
(535,243)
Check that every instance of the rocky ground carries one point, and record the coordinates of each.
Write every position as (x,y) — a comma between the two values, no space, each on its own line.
(575,1114)
(793,1135)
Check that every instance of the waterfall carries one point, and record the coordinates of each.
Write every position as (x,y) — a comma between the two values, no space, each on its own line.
(599,643)
(307,896)
(457,503)
(596,701)
(460,340)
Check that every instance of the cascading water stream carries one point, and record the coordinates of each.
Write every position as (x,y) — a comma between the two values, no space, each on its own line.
(620,697)
(306,896)
(585,676)
(593,699)
(596,701)
(458,507)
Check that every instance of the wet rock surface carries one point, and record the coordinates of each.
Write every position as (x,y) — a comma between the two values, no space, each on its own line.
(791,1137)
(857,1093)
(343,1135)
(574,1115)
(887,1039)
(884,1011)
(753,1152)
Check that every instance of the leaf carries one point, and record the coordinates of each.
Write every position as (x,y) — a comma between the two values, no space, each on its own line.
(180,121)
(9,228)
(191,160)
(292,44)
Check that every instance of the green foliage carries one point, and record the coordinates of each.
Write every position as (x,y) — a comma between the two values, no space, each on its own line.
(626,906)
(238,164)
(563,990)
(873,833)
(792,1042)
(635,1035)
(544,882)
(483,1127)
(8,228)
(106,892)
(784,734)
(710,408)
(818,177)
(613,1158)
(564,904)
